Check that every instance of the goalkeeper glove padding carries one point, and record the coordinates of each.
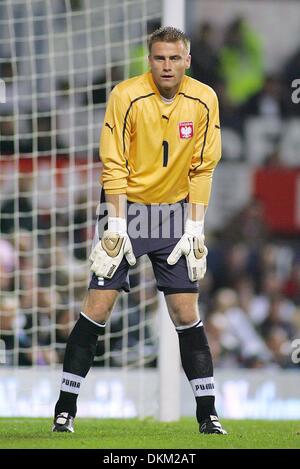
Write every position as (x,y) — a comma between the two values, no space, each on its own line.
(191,244)
(110,250)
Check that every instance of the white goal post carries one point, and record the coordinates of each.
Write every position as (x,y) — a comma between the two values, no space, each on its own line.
(169,359)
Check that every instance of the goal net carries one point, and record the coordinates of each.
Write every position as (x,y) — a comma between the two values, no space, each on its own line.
(59,60)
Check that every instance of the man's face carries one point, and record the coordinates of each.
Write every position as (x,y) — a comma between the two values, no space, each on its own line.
(168,62)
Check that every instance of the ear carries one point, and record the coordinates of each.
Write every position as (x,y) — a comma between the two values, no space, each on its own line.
(188,61)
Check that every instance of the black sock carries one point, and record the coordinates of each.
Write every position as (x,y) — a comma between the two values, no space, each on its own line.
(79,356)
(198,367)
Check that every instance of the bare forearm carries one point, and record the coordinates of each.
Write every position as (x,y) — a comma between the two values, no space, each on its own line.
(116,205)
(196,212)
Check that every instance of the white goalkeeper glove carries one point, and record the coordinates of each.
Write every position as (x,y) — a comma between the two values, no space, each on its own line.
(110,250)
(191,244)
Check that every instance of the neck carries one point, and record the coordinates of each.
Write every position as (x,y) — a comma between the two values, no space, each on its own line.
(168,94)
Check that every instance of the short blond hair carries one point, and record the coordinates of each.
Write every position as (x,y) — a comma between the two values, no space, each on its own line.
(169,34)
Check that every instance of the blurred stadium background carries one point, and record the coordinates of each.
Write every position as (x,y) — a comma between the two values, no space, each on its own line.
(59,61)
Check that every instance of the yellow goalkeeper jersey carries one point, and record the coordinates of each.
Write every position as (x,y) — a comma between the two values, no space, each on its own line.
(158,152)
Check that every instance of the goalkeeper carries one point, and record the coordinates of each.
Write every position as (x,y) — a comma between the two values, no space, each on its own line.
(160,144)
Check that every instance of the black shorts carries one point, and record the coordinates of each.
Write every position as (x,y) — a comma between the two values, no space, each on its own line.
(153,230)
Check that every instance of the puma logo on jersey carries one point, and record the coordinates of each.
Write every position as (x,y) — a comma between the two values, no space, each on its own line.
(186,129)
(110,128)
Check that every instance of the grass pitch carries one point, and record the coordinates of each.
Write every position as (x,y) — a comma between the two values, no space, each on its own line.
(133,433)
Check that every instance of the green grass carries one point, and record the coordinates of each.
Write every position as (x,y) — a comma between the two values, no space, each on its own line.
(133,433)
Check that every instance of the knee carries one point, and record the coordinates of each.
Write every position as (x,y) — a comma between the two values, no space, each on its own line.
(183,309)
(187,322)
(184,317)
(98,305)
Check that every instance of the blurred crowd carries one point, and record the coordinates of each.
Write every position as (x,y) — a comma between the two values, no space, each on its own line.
(232,61)
(250,296)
